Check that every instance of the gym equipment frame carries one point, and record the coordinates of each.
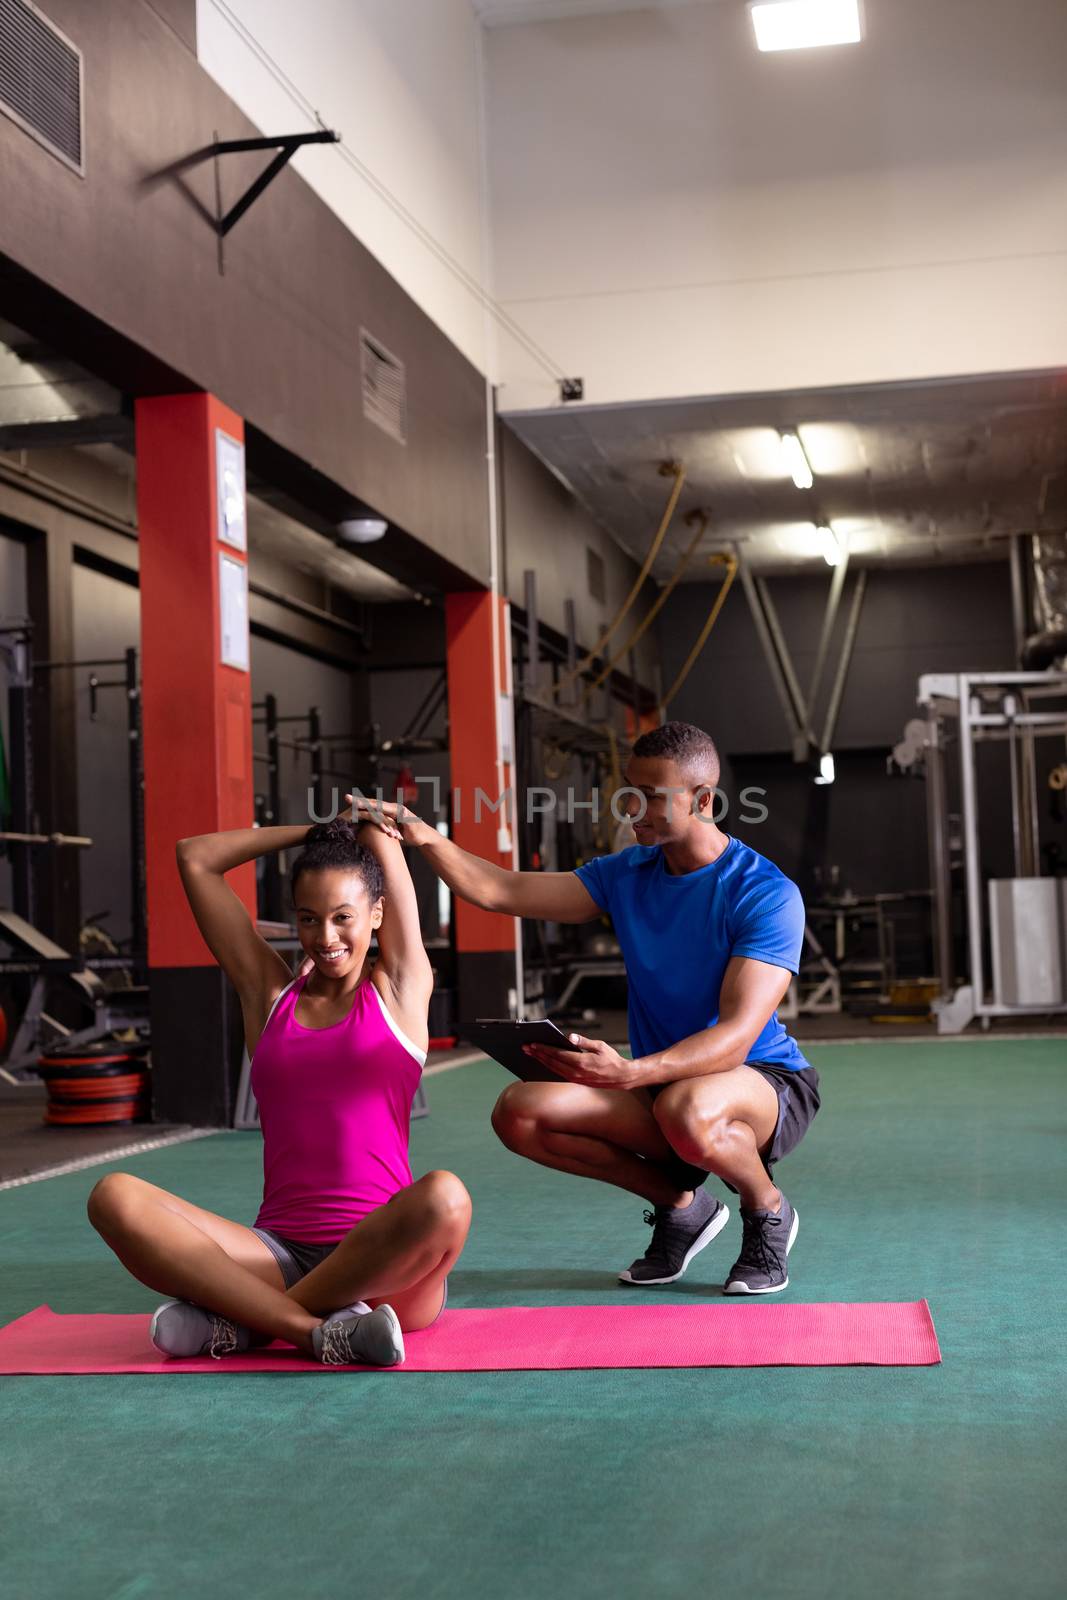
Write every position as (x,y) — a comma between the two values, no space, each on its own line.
(970,709)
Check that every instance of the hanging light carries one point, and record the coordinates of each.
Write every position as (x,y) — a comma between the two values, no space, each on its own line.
(364,529)
(795,461)
(805,24)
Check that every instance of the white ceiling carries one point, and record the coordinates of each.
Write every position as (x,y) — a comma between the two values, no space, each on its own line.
(498,13)
(923,474)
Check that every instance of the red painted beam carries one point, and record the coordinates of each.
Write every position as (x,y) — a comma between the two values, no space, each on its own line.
(197,711)
(473,690)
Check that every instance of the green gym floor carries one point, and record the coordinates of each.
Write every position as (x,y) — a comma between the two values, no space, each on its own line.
(935,1170)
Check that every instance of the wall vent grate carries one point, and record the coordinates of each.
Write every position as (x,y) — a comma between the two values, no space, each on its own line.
(41,80)
(385,400)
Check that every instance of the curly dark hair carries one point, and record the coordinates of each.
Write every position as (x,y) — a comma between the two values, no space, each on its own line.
(334,845)
(692,749)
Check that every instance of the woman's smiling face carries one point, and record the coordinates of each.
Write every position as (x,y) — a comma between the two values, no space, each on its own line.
(335,919)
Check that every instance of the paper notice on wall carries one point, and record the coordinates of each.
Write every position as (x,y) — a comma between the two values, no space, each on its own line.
(230,520)
(233,612)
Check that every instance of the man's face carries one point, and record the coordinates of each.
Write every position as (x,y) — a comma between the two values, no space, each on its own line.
(669,800)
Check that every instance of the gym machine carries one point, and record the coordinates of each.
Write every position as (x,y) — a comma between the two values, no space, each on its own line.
(51,969)
(1014,930)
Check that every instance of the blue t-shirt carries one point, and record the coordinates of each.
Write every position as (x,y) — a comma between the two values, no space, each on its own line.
(677,932)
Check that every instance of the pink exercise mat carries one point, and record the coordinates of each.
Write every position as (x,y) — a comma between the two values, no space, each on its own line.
(530,1338)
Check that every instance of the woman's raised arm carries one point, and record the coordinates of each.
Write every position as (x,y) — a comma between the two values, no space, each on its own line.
(257,972)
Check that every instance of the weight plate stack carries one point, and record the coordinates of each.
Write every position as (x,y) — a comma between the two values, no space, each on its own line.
(95,1083)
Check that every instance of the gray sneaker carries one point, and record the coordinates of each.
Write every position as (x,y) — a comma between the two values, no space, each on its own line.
(767,1238)
(180,1328)
(677,1236)
(369,1338)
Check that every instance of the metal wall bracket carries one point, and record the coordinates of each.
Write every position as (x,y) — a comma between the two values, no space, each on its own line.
(286,146)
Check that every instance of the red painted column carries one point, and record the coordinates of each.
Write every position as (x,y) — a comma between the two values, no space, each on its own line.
(486,942)
(197,710)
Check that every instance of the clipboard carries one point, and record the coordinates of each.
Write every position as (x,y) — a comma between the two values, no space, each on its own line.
(503,1039)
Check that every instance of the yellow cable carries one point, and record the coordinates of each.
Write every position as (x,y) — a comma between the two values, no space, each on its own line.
(701,520)
(666,469)
(730,562)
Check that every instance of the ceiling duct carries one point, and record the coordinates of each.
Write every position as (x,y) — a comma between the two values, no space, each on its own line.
(1049,645)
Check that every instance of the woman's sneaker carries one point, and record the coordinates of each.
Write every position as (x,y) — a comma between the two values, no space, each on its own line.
(369,1338)
(181,1329)
(767,1238)
(677,1236)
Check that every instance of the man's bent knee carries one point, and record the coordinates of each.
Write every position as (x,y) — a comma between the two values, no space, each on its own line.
(513,1116)
(694,1132)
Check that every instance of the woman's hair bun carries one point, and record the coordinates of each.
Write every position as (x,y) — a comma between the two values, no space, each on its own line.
(338,831)
(331,845)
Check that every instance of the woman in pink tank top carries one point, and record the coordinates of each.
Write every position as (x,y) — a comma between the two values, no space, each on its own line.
(347,1251)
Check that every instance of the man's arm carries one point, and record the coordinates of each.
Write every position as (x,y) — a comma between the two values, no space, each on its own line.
(551,896)
(751,992)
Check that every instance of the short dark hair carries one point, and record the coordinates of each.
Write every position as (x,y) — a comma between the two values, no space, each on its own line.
(330,846)
(692,749)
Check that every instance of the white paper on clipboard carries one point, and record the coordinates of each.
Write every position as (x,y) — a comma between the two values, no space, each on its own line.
(233,612)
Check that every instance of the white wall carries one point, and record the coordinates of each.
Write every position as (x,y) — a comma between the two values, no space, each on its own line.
(400,80)
(675,214)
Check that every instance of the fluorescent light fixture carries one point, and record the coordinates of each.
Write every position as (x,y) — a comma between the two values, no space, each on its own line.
(826,769)
(796,462)
(830,547)
(362,530)
(805,24)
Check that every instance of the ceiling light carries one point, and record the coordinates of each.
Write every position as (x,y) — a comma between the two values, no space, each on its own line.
(826,769)
(796,462)
(804,24)
(363,529)
(830,547)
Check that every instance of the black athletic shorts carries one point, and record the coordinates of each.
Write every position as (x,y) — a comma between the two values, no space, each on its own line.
(798,1101)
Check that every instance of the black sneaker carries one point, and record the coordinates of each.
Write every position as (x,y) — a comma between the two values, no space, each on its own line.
(677,1236)
(767,1239)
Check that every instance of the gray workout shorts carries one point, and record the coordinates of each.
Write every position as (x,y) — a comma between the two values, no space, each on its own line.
(297,1259)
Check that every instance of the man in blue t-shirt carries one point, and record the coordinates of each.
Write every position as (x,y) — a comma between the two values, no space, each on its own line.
(710,933)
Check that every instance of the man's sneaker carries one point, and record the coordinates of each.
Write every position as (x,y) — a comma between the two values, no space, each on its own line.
(369,1338)
(181,1329)
(767,1238)
(677,1236)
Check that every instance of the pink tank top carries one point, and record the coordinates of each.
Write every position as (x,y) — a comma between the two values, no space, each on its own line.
(335,1108)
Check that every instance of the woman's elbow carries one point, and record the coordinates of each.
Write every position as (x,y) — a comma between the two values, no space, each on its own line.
(189,852)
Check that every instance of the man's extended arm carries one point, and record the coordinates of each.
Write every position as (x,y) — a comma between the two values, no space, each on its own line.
(553,896)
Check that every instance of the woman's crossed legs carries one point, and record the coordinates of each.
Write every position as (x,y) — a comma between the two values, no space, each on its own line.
(400,1253)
